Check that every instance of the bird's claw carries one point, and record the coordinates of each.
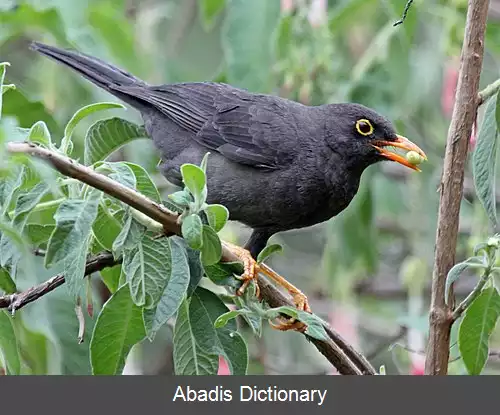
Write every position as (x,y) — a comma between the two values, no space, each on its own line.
(249,276)
(286,324)
(251,271)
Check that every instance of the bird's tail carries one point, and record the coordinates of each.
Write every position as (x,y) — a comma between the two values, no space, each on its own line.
(95,70)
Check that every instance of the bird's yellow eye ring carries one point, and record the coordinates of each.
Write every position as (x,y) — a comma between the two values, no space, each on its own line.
(364,127)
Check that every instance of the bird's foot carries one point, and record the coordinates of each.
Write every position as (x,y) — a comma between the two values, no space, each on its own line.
(251,270)
(299,298)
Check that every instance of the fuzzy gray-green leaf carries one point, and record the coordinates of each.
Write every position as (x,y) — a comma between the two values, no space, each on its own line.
(106,136)
(204,309)
(69,242)
(484,160)
(189,358)
(120,326)
(174,292)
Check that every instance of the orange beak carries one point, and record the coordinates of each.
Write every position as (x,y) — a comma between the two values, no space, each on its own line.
(400,142)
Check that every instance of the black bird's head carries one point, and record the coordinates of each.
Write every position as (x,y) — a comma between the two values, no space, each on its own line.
(363,136)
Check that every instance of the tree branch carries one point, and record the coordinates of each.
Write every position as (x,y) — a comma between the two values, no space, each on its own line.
(489,91)
(344,357)
(451,187)
(16,301)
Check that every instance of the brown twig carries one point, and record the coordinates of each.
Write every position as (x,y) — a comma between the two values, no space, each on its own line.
(16,301)
(345,358)
(451,186)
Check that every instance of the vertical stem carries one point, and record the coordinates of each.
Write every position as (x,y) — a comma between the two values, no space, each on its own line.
(464,114)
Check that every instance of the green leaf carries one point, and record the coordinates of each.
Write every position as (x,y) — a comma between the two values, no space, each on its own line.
(81,114)
(39,133)
(223,319)
(192,231)
(195,267)
(26,202)
(106,136)
(315,325)
(247,41)
(13,246)
(111,277)
(39,234)
(174,292)
(33,346)
(8,188)
(133,176)
(3,69)
(210,9)
(106,228)
(204,162)
(7,285)
(8,345)
(172,206)
(268,251)
(181,198)
(211,251)
(144,184)
(194,263)
(458,269)
(217,216)
(223,273)
(204,309)
(120,326)
(69,242)
(195,181)
(189,359)
(484,159)
(120,172)
(475,330)
(42,171)
(147,267)
(130,235)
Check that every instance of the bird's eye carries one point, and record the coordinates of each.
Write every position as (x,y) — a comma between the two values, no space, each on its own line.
(364,127)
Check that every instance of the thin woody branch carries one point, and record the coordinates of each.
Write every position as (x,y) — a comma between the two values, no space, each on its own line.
(451,187)
(343,356)
(16,301)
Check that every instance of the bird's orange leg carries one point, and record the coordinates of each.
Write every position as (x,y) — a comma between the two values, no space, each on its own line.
(250,273)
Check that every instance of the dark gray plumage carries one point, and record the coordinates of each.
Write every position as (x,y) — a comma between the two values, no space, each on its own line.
(275,164)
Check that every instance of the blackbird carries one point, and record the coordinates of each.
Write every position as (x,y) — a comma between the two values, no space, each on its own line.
(275,164)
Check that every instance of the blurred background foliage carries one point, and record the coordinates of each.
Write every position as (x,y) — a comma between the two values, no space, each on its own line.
(367,271)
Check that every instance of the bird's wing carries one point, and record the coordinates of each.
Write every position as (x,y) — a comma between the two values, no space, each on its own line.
(256,130)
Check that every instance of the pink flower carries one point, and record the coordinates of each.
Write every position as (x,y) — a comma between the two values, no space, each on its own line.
(223,367)
(473,137)
(417,370)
